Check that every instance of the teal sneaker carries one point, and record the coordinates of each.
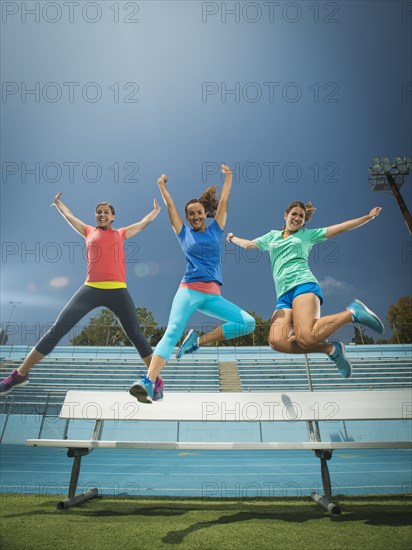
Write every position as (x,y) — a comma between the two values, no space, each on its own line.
(143,390)
(364,316)
(14,380)
(340,359)
(189,344)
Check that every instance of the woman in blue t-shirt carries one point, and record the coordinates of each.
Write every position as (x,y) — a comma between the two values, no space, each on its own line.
(297,326)
(200,286)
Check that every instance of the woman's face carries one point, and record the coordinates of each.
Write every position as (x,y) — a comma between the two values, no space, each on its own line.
(196,216)
(104,216)
(295,219)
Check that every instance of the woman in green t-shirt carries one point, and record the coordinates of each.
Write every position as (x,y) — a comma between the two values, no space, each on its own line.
(297,326)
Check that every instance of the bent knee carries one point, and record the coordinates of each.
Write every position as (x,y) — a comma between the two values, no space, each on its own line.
(276,344)
(305,341)
(249,324)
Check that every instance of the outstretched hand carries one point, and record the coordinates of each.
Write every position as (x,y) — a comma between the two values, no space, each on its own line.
(225,169)
(375,212)
(156,206)
(56,198)
(163,179)
(229,237)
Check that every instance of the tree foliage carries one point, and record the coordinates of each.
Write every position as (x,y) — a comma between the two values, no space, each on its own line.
(360,337)
(400,320)
(105,330)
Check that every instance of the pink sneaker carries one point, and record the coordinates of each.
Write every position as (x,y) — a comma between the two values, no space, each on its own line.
(14,380)
(158,389)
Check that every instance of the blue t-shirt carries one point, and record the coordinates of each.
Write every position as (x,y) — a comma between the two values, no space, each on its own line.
(202,250)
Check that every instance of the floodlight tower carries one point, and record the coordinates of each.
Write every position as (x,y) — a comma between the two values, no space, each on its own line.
(386,175)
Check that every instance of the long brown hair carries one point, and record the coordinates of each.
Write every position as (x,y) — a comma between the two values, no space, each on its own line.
(208,200)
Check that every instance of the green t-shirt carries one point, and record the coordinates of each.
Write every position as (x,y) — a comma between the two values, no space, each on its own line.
(289,257)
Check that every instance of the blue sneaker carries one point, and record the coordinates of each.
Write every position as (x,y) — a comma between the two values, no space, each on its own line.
(340,359)
(364,316)
(143,390)
(189,344)
(14,380)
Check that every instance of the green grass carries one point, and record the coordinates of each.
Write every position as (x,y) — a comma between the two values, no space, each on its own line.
(32,521)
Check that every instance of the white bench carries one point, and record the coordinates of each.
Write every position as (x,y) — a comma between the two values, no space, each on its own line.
(309,406)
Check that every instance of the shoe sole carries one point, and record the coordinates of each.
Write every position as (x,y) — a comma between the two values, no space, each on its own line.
(380,329)
(21,385)
(180,351)
(140,394)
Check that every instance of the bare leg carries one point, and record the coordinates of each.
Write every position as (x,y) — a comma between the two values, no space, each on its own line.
(156,365)
(309,327)
(147,360)
(215,335)
(32,359)
(282,337)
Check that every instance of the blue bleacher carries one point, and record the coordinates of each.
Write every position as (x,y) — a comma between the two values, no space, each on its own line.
(259,368)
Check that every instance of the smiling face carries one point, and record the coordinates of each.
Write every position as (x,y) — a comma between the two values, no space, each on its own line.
(295,219)
(196,216)
(104,216)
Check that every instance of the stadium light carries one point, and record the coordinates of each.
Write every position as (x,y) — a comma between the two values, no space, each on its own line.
(386,175)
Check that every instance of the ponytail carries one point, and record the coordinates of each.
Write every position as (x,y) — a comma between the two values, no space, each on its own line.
(208,200)
(309,210)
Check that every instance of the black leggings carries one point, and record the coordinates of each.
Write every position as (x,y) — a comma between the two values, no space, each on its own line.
(118,300)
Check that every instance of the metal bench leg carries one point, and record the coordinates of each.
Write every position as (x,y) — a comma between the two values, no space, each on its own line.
(74,499)
(326,500)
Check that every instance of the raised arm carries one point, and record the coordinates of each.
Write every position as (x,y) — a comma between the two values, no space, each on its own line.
(68,215)
(175,219)
(334,230)
(221,212)
(243,243)
(131,230)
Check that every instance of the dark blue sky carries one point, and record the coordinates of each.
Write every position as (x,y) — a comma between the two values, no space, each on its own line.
(99,99)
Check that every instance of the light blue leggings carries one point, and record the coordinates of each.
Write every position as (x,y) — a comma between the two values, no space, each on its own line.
(186,302)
